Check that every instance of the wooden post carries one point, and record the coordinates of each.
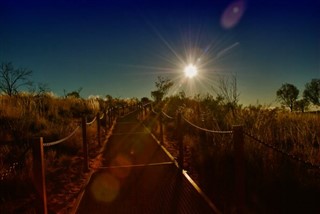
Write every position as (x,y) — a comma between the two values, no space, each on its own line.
(180,140)
(105,121)
(140,109)
(85,145)
(161,127)
(238,142)
(98,128)
(109,117)
(145,109)
(39,176)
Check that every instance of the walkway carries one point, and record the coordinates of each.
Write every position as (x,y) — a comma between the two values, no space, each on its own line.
(139,177)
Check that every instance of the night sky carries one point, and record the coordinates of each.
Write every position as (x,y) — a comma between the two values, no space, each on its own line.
(119,47)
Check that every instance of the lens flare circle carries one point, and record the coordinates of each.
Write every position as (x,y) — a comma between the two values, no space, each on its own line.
(233,14)
(105,188)
(190,71)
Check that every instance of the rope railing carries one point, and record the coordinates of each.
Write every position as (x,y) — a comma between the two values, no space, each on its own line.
(167,116)
(206,130)
(61,140)
(238,135)
(102,116)
(38,154)
(91,122)
(291,156)
(153,111)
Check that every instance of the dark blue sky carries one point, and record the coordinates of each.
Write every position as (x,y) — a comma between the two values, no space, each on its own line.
(119,47)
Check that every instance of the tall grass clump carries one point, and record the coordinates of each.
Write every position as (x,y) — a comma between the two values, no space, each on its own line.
(24,118)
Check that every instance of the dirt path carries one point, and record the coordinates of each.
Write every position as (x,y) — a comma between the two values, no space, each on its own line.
(137,176)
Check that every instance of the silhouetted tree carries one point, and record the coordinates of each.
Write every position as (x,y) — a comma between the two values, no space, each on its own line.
(109,100)
(75,94)
(301,105)
(163,85)
(312,92)
(287,95)
(145,100)
(12,79)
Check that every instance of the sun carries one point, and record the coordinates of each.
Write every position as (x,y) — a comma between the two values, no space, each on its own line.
(190,71)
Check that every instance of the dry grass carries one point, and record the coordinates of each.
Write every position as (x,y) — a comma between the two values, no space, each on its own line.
(24,119)
(274,182)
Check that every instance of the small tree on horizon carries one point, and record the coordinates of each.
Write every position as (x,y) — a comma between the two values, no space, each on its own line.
(288,95)
(301,105)
(163,85)
(74,94)
(312,92)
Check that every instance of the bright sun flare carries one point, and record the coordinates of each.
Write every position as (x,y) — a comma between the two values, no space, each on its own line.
(191,71)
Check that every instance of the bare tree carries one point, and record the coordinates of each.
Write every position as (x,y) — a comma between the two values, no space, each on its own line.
(12,79)
(227,90)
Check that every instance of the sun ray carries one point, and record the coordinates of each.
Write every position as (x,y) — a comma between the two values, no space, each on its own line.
(193,63)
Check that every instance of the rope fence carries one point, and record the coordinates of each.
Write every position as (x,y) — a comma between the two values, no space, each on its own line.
(37,147)
(204,129)
(167,116)
(90,123)
(99,119)
(306,163)
(61,140)
(238,133)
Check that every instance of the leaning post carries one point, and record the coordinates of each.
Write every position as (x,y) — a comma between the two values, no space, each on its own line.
(98,128)
(39,176)
(161,127)
(109,117)
(180,140)
(238,142)
(105,120)
(85,145)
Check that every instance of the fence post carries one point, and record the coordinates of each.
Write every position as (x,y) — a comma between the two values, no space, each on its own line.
(144,111)
(98,128)
(109,117)
(140,109)
(105,120)
(85,144)
(39,176)
(180,140)
(238,142)
(161,127)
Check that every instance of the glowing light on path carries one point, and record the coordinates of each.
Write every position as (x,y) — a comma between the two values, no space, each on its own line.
(191,71)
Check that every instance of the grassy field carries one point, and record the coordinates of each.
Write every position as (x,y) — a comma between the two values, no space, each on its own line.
(274,182)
